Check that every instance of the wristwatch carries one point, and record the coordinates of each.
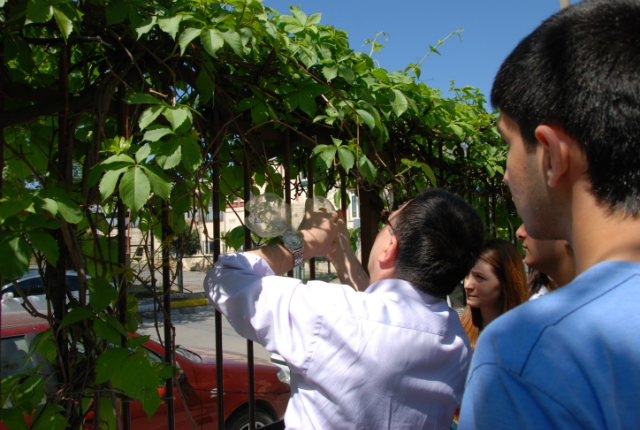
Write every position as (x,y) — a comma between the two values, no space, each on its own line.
(293,243)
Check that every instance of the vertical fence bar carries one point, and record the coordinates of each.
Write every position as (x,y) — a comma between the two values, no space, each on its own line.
(368,226)
(1,160)
(122,249)
(287,177)
(343,192)
(247,247)
(312,261)
(166,292)
(215,183)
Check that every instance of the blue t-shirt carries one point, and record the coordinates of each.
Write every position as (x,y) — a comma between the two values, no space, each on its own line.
(569,360)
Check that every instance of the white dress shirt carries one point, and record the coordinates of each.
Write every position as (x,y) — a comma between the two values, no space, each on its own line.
(389,358)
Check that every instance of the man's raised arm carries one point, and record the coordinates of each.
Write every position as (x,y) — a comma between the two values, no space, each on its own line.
(349,269)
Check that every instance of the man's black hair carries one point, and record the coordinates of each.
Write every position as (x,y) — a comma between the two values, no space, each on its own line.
(580,71)
(440,238)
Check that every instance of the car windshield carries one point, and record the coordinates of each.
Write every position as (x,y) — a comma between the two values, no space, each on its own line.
(188,354)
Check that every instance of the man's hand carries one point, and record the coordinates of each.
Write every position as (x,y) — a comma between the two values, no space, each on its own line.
(319,230)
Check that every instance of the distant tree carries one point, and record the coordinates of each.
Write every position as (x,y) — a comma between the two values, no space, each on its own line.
(185,244)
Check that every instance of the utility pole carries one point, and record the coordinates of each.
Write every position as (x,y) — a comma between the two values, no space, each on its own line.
(564,4)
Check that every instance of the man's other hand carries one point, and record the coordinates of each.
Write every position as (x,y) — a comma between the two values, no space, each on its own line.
(319,231)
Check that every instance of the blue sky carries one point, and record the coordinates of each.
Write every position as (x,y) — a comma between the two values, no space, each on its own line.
(492,28)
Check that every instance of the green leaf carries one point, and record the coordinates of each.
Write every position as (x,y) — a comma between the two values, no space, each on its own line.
(308,56)
(211,40)
(150,115)
(366,117)
(398,102)
(75,315)
(107,332)
(237,237)
(205,86)
(30,393)
(135,375)
(101,293)
(167,372)
(429,172)
(186,37)
(191,153)
(346,73)
(64,23)
(141,98)
(135,189)
(109,182)
(116,12)
(366,168)
(40,221)
(144,26)
(69,211)
(247,103)
(43,242)
(169,153)
(151,401)
(107,414)
(327,156)
(13,418)
(16,250)
(346,158)
(170,25)
(157,134)
(234,40)
(109,362)
(330,72)
(136,341)
(50,418)
(307,104)
(336,142)
(178,115)
(39,11)
(160,184)
(314,19)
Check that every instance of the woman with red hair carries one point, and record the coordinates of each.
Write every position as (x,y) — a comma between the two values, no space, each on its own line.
(496,284)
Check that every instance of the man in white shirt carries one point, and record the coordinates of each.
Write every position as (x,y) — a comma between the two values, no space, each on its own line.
(393,357)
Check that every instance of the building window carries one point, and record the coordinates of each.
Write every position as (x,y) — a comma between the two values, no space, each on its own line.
(355,206)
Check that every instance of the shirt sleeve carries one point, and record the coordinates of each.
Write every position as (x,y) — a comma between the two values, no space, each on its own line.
(495,398)
(277,312)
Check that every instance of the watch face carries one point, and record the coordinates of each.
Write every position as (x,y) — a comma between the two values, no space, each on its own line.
(293,241)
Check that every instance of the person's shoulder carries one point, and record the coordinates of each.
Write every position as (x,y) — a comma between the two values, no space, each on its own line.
(510,339)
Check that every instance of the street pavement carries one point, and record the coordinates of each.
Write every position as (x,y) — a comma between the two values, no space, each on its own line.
(195,326)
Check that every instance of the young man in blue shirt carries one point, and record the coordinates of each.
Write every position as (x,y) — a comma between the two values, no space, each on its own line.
(569,96)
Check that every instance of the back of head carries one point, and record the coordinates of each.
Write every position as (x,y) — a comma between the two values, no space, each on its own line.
(440,237)
(578,71)
(507,264)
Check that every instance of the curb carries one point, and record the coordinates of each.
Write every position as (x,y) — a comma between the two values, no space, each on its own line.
(176,305)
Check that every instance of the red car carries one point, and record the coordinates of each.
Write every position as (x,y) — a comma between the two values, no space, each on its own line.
(197,380)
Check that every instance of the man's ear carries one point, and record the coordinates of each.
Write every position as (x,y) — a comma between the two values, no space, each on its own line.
(388,253)
(556,152)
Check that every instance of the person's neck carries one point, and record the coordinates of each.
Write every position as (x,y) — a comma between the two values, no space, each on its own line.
(563,272)
(599,235)
(489,314)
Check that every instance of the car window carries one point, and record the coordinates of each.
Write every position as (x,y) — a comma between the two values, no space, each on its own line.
(30,287)
(72,283)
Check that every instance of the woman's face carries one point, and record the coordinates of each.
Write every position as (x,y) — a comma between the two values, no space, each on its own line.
(482,286)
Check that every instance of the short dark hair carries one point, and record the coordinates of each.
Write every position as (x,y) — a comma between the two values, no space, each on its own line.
(579,71)
(440,238)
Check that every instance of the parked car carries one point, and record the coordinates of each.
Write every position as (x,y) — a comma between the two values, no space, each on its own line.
(197,379)
(31,286)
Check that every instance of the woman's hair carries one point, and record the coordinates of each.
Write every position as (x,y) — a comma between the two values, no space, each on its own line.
(538,280)
(507,265)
